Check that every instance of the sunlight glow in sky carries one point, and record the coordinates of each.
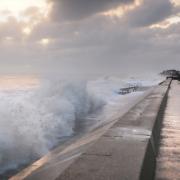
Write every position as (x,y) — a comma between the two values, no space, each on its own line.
(121,10)
(44,41)
(27,31)
(26,14)
(168,22)
(176,2)
(16,7)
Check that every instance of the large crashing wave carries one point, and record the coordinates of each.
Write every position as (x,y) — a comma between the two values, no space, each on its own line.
(31,123)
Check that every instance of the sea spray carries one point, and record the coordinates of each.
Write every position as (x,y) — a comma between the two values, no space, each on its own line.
(32,122)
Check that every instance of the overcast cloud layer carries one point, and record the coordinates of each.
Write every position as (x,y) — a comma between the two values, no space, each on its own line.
(84,38)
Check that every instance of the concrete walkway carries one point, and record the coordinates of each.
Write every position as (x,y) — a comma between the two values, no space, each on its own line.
(127,151)
(124,149)
(168,161)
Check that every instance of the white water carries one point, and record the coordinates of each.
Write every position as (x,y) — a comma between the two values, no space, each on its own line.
(33,119)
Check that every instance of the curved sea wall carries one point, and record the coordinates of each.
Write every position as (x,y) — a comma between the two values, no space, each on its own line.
(124,149)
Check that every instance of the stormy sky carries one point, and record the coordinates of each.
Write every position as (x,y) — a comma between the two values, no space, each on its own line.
(89,36)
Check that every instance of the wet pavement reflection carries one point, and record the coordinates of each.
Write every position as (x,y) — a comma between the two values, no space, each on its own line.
(168,160)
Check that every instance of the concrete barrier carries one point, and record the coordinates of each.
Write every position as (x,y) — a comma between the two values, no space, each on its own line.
(121,150)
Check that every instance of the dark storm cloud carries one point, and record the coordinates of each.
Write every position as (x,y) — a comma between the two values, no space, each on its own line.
(150,12)
(78,9)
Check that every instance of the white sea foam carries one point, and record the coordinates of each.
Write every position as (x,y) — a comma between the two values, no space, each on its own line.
(33,120)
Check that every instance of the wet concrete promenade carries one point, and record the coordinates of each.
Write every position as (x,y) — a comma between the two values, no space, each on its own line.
(168,161)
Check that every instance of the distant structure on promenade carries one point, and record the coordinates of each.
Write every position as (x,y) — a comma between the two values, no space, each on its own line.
(174,74)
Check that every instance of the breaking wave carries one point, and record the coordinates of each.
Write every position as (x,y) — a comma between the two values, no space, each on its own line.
(33,121)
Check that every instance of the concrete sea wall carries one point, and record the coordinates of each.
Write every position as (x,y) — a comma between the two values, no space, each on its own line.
(125,149)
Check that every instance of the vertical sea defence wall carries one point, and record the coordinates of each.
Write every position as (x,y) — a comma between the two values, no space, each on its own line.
(124,149)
